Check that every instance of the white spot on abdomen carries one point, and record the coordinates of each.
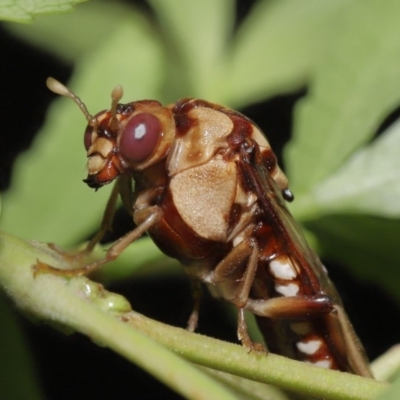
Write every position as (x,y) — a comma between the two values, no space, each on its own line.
(282,270)
(309,347)
(322,363)
(288,290)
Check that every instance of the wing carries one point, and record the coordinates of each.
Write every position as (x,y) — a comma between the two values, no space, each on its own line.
(287,233)
(334,328)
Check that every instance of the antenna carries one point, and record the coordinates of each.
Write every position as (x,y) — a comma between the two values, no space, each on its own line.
(57,87)
(116,96)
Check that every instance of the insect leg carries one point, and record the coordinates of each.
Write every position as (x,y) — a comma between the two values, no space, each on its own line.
(292,306)
(242,293)
(242,296)
(197,294)
(231,264)
(228,267)
(104,227)
(284,308)
(107,219)
(123,187)
(243,335)
(151,216)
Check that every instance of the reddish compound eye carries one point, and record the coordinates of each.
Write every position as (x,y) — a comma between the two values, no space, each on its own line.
(87,137)
(140,137)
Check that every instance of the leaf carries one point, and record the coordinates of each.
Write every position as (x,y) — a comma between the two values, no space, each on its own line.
(277,47)
(140,259)
(93,23)
(26,10)
(367,245)
(392,393)
(386,367)
(368,183)
(49,202)
(354,89)
(197,35)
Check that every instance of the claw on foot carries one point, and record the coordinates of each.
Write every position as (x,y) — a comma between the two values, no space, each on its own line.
(192,322)
(258,348)
(76,263)
(68,256)
(43,268)
(244,337)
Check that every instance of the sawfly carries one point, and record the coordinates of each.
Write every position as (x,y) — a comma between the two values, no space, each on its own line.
(210,193)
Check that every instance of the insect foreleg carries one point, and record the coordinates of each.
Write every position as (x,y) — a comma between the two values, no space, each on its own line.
(108,217)
(106,223)
(126,192)
(151,216)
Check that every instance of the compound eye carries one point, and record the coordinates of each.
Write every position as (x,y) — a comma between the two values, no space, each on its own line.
(87,137)
(140,137)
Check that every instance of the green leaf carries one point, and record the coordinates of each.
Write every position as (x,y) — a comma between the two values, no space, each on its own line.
(49,202)
(277,47)
(197,35)
(386,367)
(26,10)
(93,23)
(392,393)
(367,245)
(354,89)
(141,259)
(369,182)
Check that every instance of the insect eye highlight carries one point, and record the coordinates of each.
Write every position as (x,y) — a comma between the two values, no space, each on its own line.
(140,137)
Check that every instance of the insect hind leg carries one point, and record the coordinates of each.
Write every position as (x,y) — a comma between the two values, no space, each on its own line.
(244,337)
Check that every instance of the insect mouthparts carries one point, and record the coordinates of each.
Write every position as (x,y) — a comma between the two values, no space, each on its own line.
(93,183)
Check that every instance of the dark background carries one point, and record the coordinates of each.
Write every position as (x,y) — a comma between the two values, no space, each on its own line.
(71,366)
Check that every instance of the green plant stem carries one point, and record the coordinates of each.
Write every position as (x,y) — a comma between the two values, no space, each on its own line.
(234,359)
(107,318)
(79,304)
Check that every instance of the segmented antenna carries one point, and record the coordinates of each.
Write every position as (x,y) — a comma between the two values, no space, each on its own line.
(57,87)
(116,96)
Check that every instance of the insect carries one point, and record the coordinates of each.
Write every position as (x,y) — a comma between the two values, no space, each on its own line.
(209,192)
